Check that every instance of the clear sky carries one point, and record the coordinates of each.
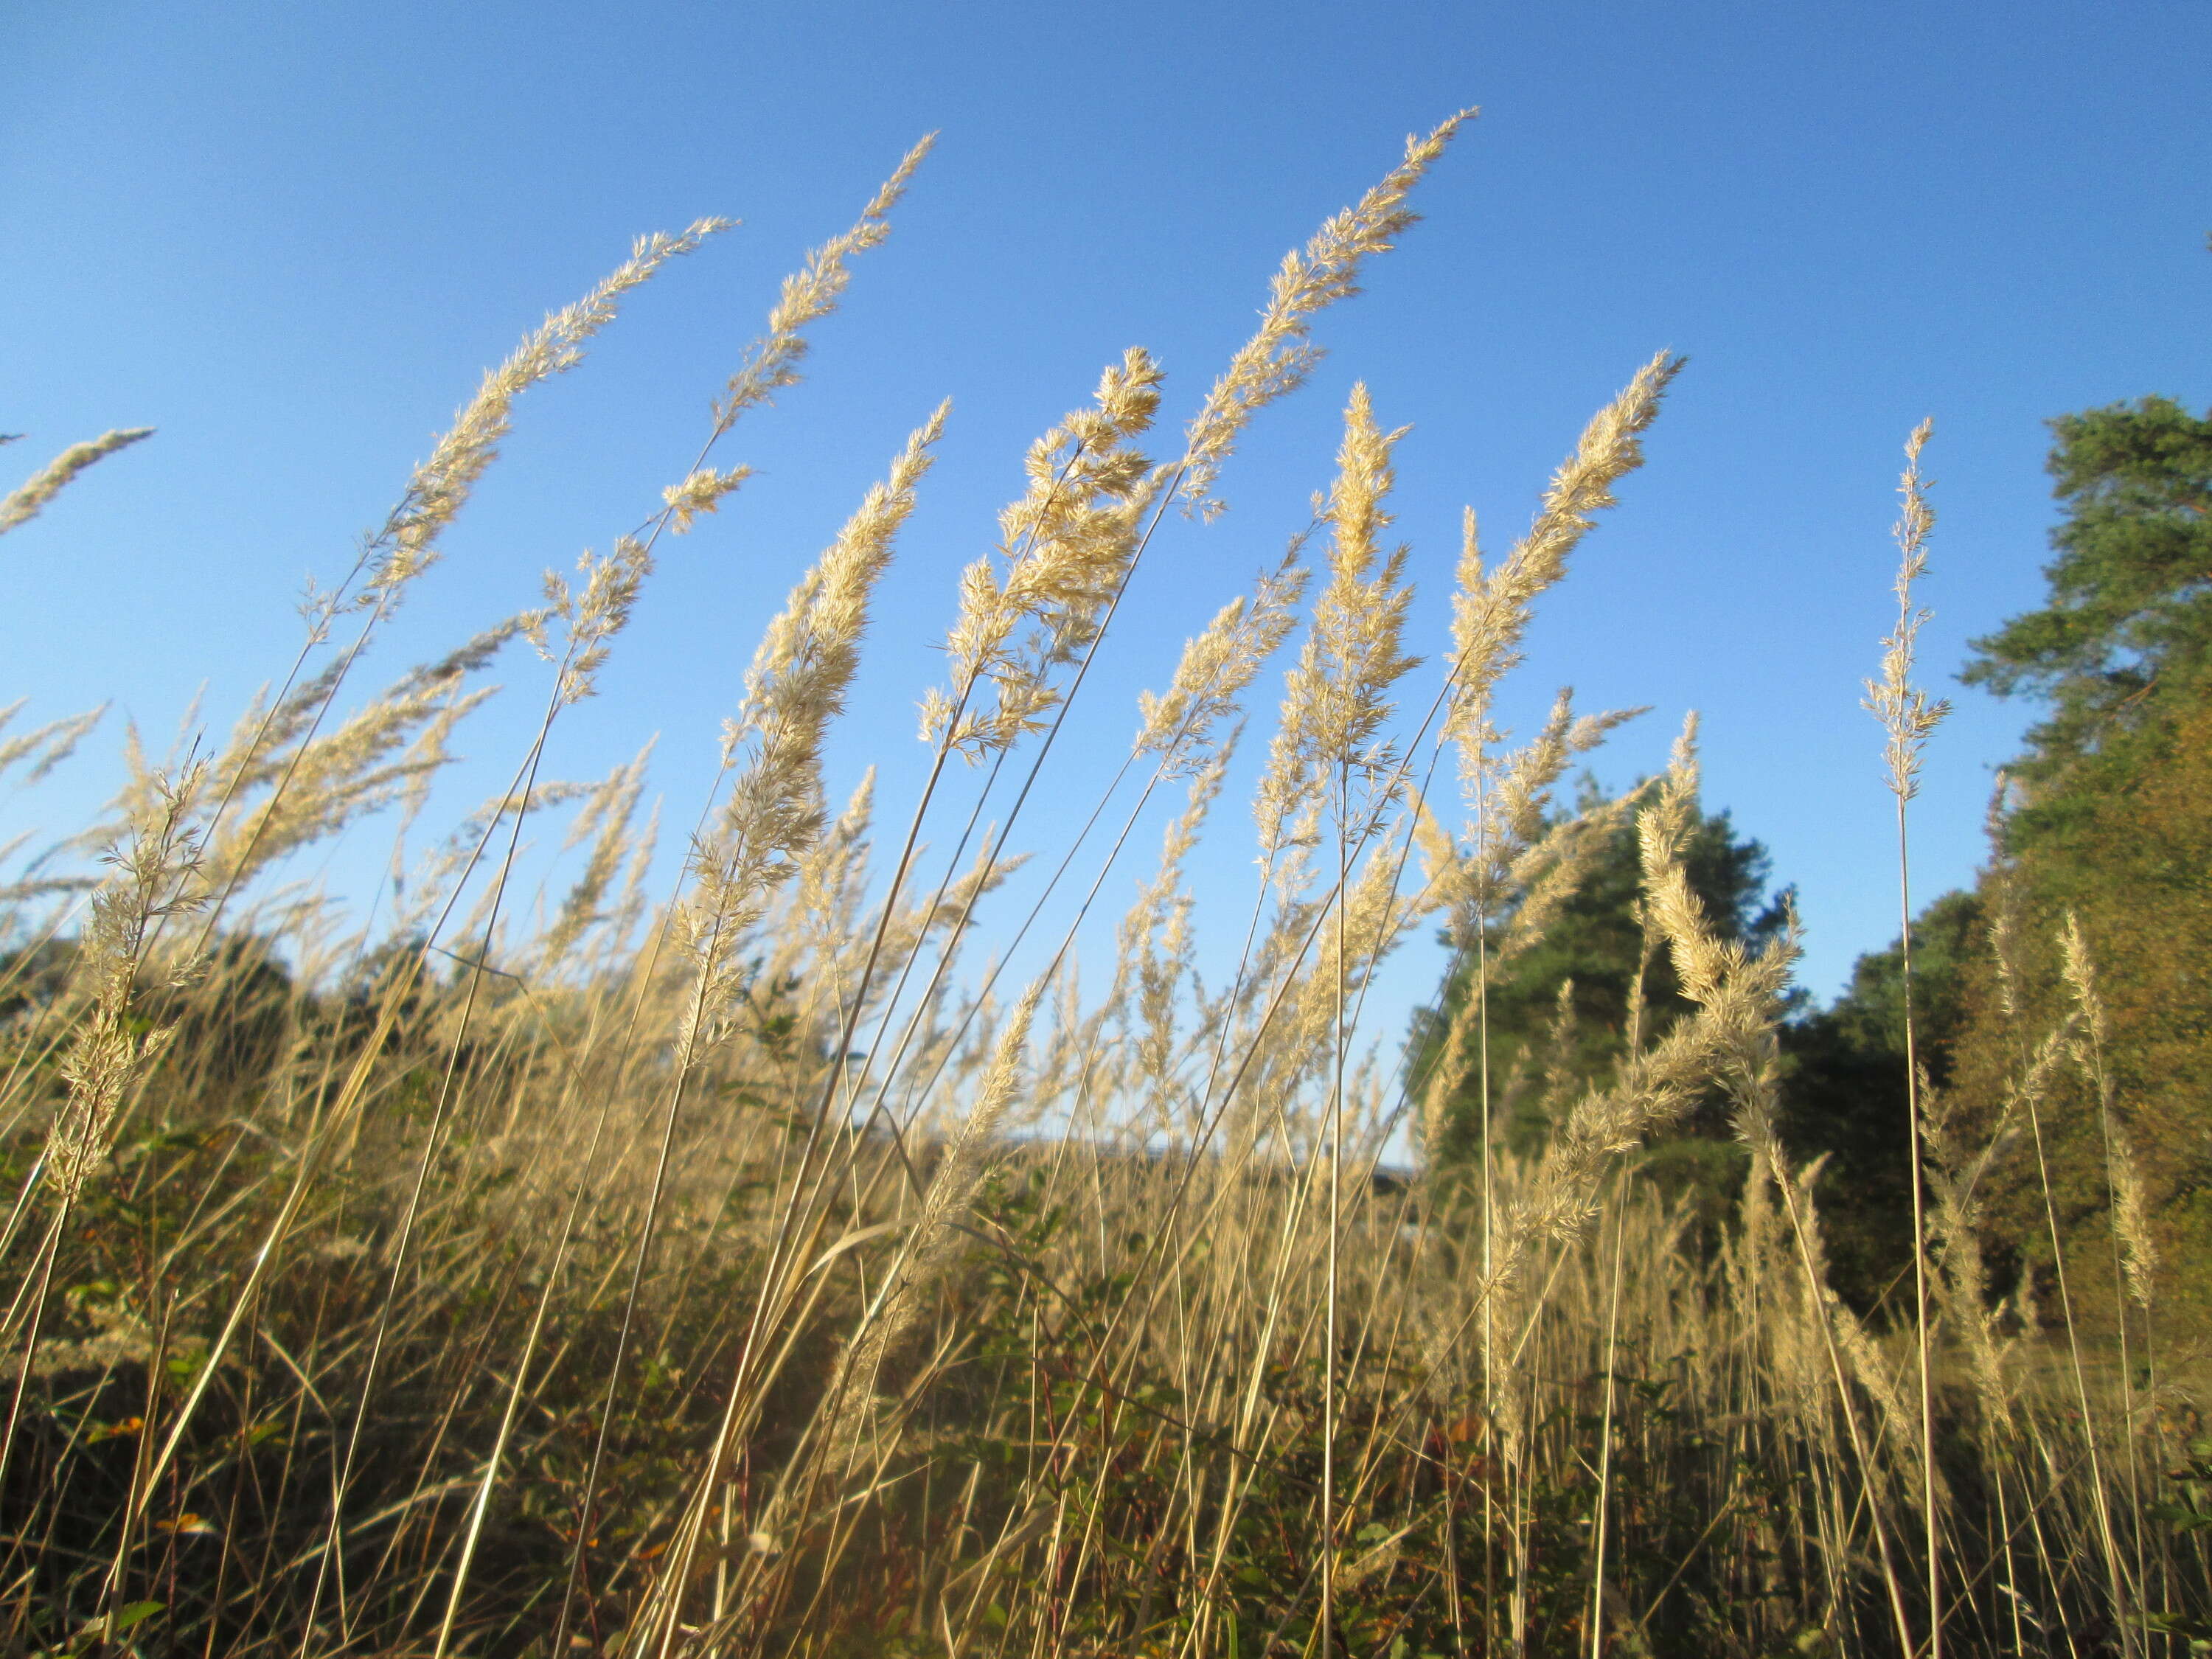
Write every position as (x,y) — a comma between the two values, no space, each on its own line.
(290,237)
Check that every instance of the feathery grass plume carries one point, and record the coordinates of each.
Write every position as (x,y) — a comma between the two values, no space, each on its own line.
(51,744)
(1521,861)
(1956,1175)
(1336,698)
(22,504)
(1525,780)
(420,890)
(1442,870)
(1365,921)
(407,545)
(1277,360)
(2130,1195)
(701,491)
(1703,962)
(944,911)
(1355,653)
(1955,1178)
(795,688)
(832,874)
(1894,1409)
(1157,946)
(1547,873)
(1793,1328)
(1518,853)
(2002,885)
(590,620)
(2131,1216)
(1067,542)
(155,876)
(1447,1076)
(1737,993)
(1907,714)
(631,904)
(1492,611)
(606,822)
(1065,1066)
(1215,668)
(319,784)
(1652,1090)
(1177,728)
(1559,1047)
(809,294)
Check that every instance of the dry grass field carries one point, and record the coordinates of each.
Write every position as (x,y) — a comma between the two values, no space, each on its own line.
(690,1275)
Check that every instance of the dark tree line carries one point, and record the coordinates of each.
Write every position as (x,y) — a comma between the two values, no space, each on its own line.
(2106,829)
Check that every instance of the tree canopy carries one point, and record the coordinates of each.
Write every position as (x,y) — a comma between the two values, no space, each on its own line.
(2123,644)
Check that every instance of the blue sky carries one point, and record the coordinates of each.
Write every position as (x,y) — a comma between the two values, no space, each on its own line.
(291,237)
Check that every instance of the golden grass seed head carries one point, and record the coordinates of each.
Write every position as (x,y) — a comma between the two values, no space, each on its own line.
(1068,543)
(771,363)
(441,485)
(1277,360)
(24,503)
(1907,714)
(1216,667)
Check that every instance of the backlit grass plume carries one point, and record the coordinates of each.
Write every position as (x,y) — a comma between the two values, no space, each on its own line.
(407,545)
(155,872)
(1277,360)
(795,688)
(26,500)
(1336,699)
(1067,545)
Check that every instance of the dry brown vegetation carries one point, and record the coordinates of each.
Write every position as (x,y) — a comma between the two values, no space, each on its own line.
(675,1281)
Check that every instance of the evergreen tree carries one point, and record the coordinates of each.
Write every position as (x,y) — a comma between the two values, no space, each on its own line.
(2111,830)
(2121,651)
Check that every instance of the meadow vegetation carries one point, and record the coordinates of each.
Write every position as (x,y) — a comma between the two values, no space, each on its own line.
(737,1270)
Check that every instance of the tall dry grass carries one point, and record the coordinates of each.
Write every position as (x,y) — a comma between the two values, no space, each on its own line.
(673,1281)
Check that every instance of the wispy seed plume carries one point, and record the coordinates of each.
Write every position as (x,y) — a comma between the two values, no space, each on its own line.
(23,504)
